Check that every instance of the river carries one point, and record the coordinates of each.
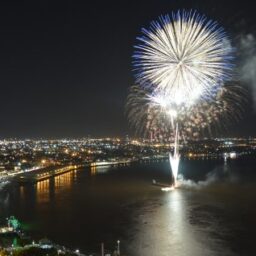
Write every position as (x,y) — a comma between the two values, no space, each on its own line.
(212,213)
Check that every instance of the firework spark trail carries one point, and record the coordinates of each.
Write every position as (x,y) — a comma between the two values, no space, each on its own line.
(147,115)
(175,157)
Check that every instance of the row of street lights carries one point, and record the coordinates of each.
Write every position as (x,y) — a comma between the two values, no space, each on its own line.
(116,253)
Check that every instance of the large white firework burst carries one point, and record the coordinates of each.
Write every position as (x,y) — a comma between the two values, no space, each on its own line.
(183,55)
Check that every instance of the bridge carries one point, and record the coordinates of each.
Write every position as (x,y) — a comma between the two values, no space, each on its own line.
(45,173)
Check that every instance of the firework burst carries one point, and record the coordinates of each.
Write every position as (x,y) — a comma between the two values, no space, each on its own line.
(154,115)
(183,64)
(185,55)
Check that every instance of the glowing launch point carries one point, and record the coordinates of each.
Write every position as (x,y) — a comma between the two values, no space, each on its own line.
(168,188)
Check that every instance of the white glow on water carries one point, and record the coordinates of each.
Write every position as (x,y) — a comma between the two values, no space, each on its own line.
(166,189)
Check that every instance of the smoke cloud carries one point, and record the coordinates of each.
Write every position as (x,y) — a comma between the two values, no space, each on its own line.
(247,67)
(221,174)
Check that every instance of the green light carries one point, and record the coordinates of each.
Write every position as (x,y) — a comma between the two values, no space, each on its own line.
(13,222)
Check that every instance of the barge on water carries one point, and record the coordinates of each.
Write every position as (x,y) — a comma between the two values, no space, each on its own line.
(45,173)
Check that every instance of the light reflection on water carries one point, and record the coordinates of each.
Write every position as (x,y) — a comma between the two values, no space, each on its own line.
(43,191)
(80,209)
(166,230)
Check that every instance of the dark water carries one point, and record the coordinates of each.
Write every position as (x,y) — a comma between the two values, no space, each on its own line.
(81,209)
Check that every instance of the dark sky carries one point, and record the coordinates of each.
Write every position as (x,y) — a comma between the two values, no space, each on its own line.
(65,66)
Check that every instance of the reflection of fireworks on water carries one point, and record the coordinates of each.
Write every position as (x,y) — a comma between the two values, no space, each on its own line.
(182,63)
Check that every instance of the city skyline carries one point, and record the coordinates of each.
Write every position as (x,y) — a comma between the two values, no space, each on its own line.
(66,68)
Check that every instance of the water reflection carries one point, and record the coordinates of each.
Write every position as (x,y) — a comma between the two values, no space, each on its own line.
(64,181)
(123,204)
(181,239)
(93,170)
(46,190)
(22,192)
(42,191)
(167,230)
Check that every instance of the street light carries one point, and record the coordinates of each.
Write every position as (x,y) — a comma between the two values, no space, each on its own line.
(118,247)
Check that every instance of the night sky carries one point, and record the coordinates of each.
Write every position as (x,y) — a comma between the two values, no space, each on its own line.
(65,66)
